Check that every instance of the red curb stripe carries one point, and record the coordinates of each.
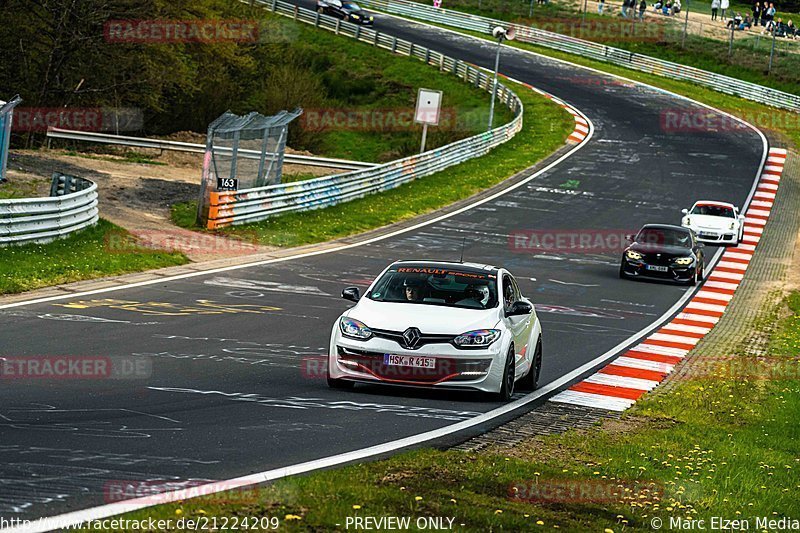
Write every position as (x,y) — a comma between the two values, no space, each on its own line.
(655,357)
(608,390)
(628,372)
(736,260)
(688,322)
(711,301)
(705,312)
(669,344)
(718,290)
(681,333)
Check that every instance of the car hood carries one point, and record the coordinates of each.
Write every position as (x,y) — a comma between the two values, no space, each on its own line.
(711,222)
(669,251)
(433,319)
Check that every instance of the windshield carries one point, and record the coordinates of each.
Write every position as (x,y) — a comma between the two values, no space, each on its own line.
(713,210)
(665,237)
(352,5)
(436,286)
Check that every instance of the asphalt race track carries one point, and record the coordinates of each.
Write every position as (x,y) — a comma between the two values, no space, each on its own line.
(226,394)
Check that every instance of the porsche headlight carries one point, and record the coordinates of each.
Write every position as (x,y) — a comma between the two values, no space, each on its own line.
(631,254)
(355,16)
(684,261)
(354,329)
(479,338)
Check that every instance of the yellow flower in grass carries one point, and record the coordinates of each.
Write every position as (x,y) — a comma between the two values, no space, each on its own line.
(417,498)
(539,523)
(178,511)
(290,517)
(356,507)
(498,511)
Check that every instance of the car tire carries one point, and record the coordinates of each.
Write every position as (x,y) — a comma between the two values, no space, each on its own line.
(531,380)
(693,280)
(339,384)
(622,274)
(509,378)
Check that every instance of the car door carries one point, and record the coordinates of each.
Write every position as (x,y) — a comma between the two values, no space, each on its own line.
(520,325)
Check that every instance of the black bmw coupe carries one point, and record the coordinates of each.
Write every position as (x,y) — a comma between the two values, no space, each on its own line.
(664,252)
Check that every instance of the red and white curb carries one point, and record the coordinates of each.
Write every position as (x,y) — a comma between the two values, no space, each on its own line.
(582,125)
(619,384)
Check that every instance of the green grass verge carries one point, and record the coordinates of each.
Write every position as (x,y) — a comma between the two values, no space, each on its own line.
(546,125)
(328,74)
(723,444)
(101,250)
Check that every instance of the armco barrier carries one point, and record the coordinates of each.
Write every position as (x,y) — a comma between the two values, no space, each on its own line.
(72,206)
(250,205)
(600,52)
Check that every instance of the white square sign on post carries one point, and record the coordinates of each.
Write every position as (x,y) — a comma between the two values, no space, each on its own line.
(429,107)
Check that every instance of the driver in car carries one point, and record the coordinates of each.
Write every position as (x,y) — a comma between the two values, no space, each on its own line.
(413,289)
(476,296)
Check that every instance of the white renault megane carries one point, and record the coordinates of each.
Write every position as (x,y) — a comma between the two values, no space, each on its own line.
(441,325)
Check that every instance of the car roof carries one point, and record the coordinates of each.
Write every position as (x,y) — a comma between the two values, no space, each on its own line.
(466,267)
(665,226)
(713,202)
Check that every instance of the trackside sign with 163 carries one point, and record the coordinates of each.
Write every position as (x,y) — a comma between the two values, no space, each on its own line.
(227,184)
(429,104)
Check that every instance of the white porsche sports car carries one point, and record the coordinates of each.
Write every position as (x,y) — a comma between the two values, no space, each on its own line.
(441,325)
(714,222)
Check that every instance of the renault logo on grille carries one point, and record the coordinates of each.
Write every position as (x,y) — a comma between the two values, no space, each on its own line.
(411,337)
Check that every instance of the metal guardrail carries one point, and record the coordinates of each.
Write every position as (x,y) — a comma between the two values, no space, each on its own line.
(255,204)
(158,144)
(72,206)
(600,52)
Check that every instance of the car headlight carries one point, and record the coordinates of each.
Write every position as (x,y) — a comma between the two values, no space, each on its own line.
(684,261)
(355,16)
(479,338)
(631,254)
(354,329)
(372,18)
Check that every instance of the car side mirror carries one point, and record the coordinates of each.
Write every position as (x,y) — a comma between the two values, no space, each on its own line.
(630,238)
(352,294)
(520,308)
(685,211)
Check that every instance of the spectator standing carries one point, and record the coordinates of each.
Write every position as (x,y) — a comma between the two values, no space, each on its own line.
(724,5)
(757,11)
(624,13)
(770,14)
(600,5)
(642,9)
(714,9)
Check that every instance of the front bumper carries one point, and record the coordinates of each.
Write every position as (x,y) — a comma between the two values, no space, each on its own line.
(640,269)
(714,236)
(365,361)
(361,20)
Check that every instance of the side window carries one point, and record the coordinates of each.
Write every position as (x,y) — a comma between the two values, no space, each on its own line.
(510,292)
